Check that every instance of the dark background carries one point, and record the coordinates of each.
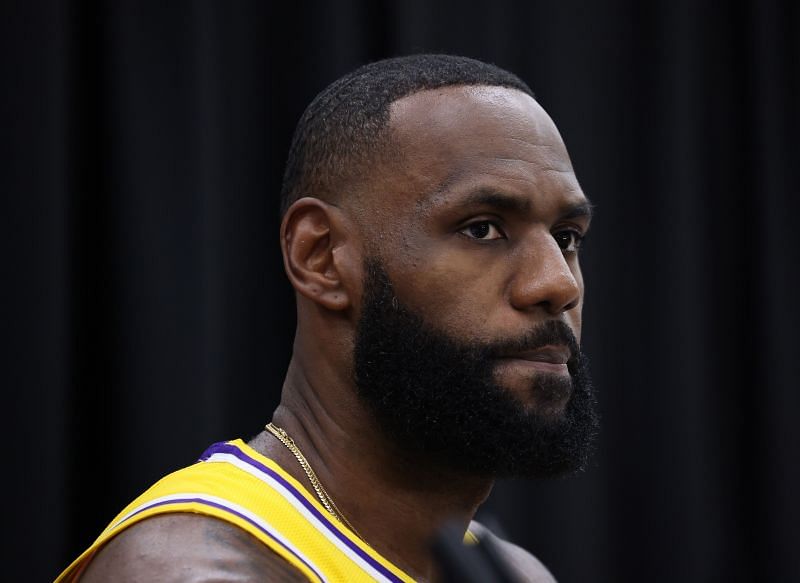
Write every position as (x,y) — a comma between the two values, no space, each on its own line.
(146,315)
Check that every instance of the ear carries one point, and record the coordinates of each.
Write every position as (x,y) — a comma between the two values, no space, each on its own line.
(319,244)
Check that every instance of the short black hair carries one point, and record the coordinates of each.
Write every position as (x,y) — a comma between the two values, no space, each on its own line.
(343,128)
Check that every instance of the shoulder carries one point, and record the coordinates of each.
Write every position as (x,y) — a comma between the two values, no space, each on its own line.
(522,564)
(187,547)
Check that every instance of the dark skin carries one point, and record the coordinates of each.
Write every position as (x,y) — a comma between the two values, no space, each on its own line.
(477,226)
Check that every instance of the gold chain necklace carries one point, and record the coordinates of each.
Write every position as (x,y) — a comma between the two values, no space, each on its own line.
(322,493)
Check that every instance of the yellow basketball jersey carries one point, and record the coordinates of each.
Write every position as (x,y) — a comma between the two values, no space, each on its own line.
(235,483)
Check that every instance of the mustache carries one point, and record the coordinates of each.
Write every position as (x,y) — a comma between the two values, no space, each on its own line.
(549,333)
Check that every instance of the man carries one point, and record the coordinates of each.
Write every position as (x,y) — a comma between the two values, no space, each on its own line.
(431,229)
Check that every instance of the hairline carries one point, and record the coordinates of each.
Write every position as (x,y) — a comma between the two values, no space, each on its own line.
(387,128)
(346,128)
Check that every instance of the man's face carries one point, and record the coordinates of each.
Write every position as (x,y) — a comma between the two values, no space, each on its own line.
(474,245)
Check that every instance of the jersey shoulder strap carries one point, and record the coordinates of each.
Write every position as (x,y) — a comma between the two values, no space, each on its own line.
(234,483)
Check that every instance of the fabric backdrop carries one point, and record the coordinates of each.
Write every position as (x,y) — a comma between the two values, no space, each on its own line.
(146,314)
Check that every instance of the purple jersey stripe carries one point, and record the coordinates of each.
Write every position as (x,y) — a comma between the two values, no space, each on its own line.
(228,448)
(235,513)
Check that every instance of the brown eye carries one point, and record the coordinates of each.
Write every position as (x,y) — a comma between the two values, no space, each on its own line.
(479,230)
(482,230)
(569,241)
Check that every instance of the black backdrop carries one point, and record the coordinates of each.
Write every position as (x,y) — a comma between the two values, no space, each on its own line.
(146,315)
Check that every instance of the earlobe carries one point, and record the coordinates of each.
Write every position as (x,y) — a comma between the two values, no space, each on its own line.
(313,233)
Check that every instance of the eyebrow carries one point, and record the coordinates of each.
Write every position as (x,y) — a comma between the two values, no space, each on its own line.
(580,210)
(507,202)
(498,200)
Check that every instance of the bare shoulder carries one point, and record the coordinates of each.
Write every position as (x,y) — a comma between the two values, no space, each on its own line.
(187,547)
(525,567)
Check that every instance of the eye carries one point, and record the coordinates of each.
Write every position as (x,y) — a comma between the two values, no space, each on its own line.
(483,230)
(569,241)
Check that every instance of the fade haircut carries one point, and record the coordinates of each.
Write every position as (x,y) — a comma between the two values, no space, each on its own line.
(343,132)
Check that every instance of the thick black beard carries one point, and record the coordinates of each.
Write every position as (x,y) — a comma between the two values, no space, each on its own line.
(436,399)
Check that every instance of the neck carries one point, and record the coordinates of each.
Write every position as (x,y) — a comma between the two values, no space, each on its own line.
(396,502)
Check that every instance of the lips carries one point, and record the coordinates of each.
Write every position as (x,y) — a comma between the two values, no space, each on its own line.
(550,359)
(552,354)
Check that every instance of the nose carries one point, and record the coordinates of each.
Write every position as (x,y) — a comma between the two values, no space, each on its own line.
(544,279)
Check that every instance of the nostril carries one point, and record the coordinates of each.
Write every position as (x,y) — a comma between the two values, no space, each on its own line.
(573,304)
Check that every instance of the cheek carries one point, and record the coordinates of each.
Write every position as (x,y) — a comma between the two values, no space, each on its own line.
(575,315)
(451,294)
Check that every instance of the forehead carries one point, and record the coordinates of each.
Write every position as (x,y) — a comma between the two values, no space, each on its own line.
(474,112)
(485,137)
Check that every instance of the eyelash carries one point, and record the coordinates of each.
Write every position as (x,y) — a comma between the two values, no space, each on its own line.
(576,239)
(489,224)
(573,244)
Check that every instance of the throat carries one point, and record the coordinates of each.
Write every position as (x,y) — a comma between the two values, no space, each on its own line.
(394,504)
